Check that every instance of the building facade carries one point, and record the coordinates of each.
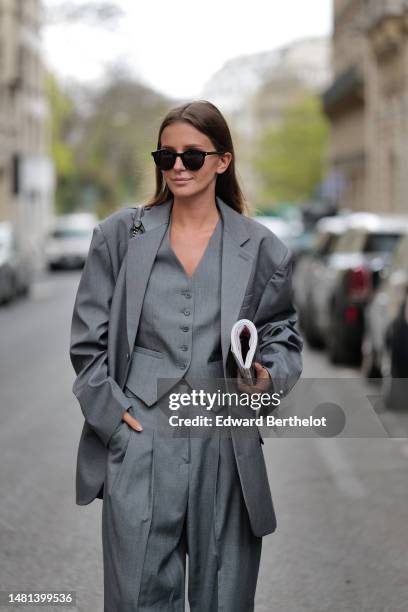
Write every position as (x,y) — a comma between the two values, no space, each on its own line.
(26,170)
(367,104)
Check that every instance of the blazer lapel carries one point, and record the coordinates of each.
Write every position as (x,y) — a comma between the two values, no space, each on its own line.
(236,267)
(141,253)
(236,270)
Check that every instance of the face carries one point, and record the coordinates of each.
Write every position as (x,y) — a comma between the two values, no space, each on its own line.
(180,136)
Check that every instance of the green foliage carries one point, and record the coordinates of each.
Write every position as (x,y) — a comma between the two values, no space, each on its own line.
(59,124)
(290,159)
(102,155)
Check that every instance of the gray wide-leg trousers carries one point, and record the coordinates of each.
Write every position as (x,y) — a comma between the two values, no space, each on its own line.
(165,497)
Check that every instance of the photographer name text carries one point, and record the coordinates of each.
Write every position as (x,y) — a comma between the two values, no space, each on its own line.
(230,421)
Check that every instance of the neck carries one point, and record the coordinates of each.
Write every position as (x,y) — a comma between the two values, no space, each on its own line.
(199,212)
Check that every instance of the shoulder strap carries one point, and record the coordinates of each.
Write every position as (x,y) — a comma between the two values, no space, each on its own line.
(137,225)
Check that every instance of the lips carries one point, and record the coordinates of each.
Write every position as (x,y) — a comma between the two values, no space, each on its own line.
(181,180)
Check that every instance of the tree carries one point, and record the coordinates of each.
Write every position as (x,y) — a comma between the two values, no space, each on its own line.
(62,119)
(116,140)
(101,147)
(291,156)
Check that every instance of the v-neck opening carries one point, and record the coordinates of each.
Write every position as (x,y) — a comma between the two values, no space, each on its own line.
(190,278)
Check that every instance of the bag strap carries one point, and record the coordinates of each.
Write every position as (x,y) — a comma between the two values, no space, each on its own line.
(137,225)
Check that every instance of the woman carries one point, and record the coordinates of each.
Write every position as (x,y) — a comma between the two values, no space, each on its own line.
(152,316)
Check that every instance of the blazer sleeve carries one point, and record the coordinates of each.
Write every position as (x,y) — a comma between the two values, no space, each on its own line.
(102,401)
(280,343)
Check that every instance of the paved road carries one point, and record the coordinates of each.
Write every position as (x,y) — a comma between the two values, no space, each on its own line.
(342,504)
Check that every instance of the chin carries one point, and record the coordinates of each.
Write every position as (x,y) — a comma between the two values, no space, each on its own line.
(183,189)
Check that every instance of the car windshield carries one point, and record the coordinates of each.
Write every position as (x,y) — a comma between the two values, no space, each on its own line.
(72,232)
(380,243)
(362,241)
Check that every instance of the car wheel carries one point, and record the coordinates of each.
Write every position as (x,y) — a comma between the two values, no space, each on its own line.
(8,296)
(312,336)
(334,343)
(25,291)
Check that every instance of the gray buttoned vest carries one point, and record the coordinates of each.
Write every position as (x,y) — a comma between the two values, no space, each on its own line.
(179,334)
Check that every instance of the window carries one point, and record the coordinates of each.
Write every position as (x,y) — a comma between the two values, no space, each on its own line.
(381,243)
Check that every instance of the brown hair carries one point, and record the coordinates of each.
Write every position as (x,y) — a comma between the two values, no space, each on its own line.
(206,118)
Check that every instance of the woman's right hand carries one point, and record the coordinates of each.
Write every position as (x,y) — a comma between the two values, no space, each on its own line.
(131,421)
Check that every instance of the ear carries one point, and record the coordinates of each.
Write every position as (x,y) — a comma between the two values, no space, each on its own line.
(223,162)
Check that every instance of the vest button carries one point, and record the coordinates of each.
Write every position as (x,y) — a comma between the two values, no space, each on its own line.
(185,328)
(184,347)
(182,366)
(188,295)
(186,312)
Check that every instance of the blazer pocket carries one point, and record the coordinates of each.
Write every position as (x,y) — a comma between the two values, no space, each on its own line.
(118,457)
(117,436)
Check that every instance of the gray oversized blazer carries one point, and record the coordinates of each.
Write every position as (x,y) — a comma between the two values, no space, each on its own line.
(256,284)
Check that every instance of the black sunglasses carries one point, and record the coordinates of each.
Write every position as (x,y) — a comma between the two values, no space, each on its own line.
(193,159)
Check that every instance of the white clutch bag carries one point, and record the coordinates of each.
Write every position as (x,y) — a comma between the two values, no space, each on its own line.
(244,342)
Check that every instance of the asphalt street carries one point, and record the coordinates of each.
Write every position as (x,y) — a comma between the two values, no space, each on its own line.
(342,503)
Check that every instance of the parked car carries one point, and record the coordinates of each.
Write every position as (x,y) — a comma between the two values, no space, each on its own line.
(6,255)
(15,268)
(306,276)
(394,363)
(291,232)
(280,227)
(348,279)
(68,240)
(301,245)
(385,342)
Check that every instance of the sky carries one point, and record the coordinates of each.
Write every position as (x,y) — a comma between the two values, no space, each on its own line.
(175,47)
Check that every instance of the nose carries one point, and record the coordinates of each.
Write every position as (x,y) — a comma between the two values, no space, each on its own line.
(179,164)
